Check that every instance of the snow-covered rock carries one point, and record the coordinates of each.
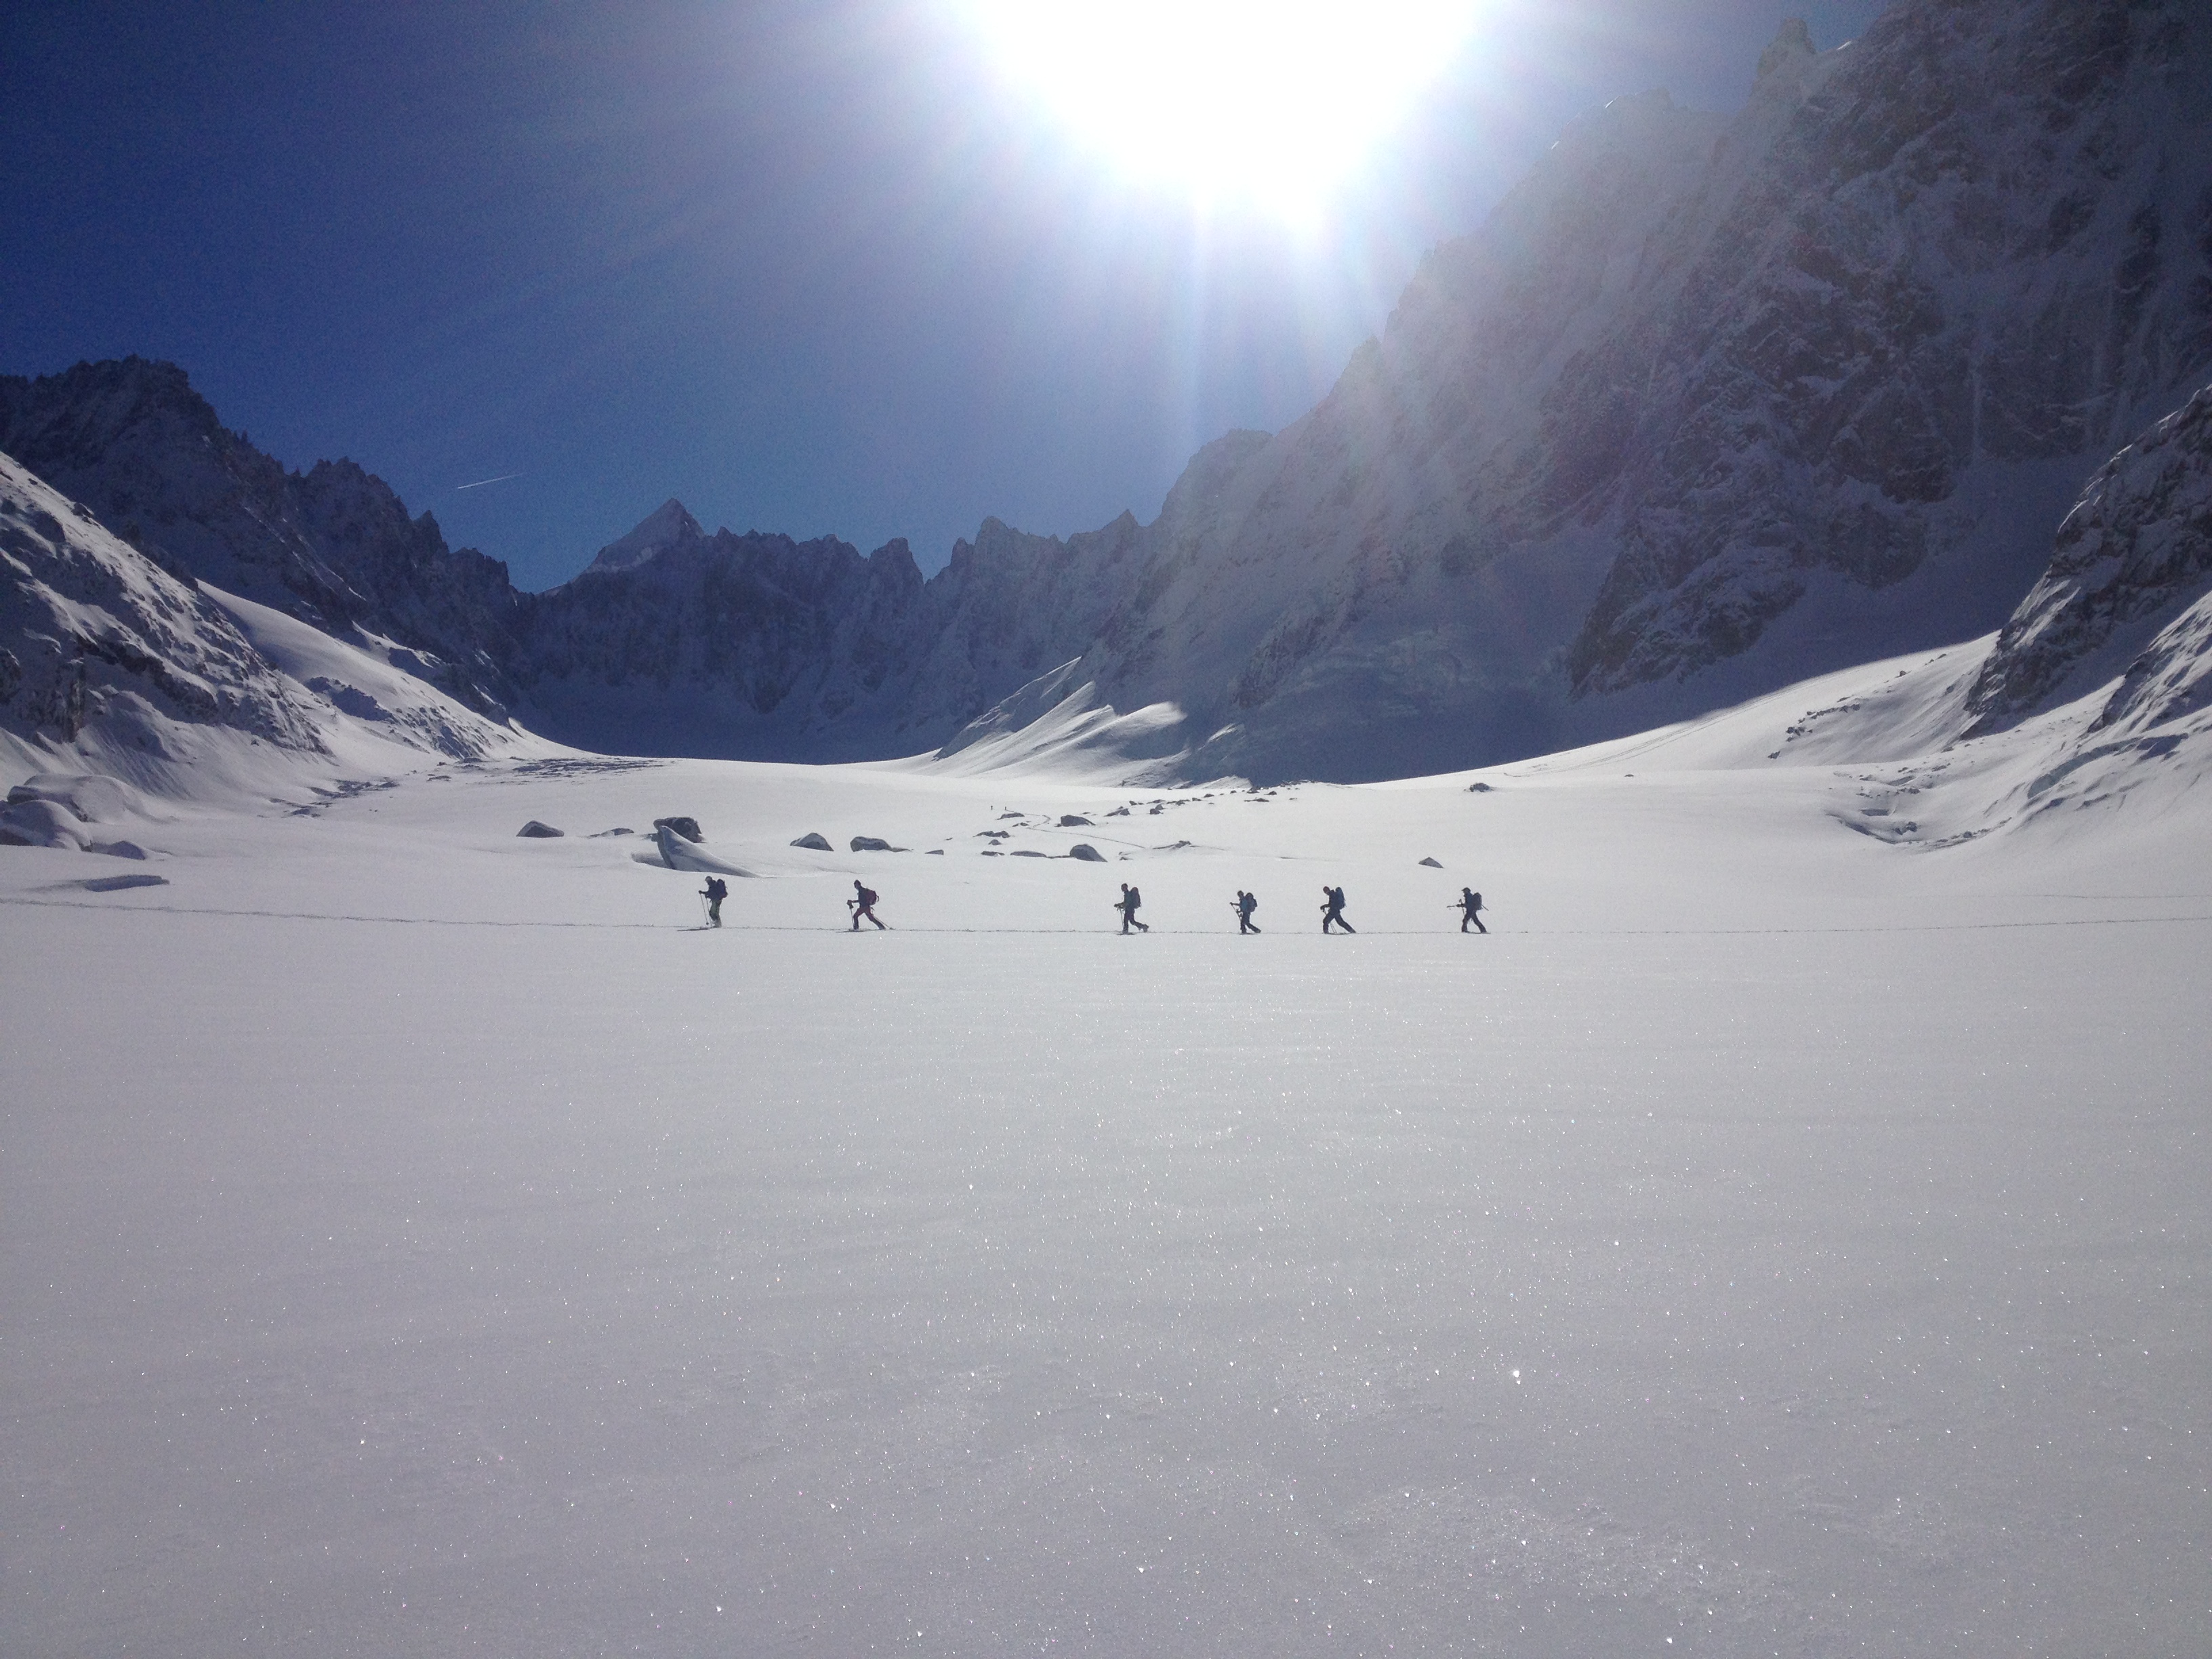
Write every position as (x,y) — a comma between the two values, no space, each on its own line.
(91,797)
(678,854)
(34,823)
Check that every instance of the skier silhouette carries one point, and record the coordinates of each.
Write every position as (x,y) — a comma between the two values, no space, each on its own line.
(1131,899)
(1333,911)
(715,892)
(1470,902)
(1245,905)
(863,904)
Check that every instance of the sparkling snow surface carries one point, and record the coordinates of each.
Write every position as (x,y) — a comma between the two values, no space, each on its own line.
(416,1240)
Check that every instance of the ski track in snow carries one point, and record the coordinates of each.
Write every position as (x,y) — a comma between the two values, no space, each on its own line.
(1772,1239)
(728,927)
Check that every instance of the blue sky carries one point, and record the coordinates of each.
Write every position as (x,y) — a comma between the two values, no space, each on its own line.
(810,268)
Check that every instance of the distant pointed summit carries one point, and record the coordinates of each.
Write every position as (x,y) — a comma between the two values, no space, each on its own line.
(667,525)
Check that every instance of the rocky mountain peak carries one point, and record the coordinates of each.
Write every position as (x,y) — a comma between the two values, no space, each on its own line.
(668,525)
(1791,49)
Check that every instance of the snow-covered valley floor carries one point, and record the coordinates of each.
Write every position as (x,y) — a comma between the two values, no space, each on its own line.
(416,1240)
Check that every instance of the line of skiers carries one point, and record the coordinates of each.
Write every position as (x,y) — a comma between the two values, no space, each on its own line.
(862,906)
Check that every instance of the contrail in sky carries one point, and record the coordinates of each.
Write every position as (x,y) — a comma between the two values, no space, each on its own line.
(481,483)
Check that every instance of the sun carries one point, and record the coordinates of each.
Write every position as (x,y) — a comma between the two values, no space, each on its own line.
(1270,104)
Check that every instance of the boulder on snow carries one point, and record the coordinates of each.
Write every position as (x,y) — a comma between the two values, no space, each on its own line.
(117,849)
(538,832)
(619,830)
(35,823)
(870,844)
(1478,787)
(117,883)
(1087,852)
(679,854)
(1431,864)
(687,828)
(815,841)
(89,796)
(1073,821)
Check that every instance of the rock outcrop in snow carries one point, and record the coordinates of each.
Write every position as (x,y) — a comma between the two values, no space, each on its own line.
(2132,568)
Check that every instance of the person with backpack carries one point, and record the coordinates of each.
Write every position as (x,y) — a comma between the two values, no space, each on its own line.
(1131,899)
(1245,905)
(715,892)
(1470,902)
(863,904)
(1332,910)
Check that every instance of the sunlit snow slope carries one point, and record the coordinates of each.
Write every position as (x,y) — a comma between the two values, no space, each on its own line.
(415,1239)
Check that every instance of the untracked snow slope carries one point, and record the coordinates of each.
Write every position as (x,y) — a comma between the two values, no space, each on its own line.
(415,1239)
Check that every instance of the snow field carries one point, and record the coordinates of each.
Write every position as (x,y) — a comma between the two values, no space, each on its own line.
(1658,1267)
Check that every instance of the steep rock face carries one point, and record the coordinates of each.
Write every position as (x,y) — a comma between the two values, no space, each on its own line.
(757,645)
(98,647)
(1009,607)
(1709,405)
(1336,594)
(1979,239)
(751,645)
(333,547)
(2131,570)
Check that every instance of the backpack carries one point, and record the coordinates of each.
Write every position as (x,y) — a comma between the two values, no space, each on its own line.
(1478,901)
(867,897)
(1135,898)
(717,888)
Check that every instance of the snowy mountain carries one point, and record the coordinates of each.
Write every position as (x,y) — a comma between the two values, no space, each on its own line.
(1708,405)
(333,546)
(112,668)
(671,642)
(101,650)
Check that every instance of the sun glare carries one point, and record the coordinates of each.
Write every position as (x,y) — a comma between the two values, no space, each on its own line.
(1270,103)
